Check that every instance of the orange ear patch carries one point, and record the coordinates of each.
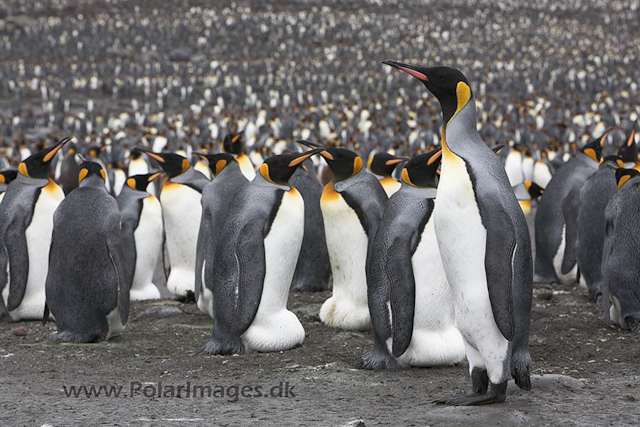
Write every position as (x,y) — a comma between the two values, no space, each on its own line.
(83,174)
(220,165)
(591,153)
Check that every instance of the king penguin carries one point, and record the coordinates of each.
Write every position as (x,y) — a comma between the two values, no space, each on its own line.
(410,301)
(594,197)
(352,205)
(556,221)
(620,261)
(26,223)
(6,177)
(86,287)
(484,243)
(234,144)
(180,199)
(382,166)
(217,196)
(255,260)
(142,232)
(313,271)
(526,192)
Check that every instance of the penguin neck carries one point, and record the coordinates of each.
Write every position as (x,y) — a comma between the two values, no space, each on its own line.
(262,181)
(39,182)
(461,128)
(423,192)
(229,169)
(93,181)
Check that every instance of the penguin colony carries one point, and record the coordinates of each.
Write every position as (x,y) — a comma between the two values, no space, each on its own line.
(413,218)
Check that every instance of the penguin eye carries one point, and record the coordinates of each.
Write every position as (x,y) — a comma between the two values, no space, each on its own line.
(440,78)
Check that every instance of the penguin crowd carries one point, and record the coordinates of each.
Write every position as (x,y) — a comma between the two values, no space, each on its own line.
(241,180)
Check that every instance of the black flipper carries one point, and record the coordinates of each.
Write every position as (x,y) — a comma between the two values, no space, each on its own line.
(403,294)
(570,207)
(19,262)
(499,257)
(250,254)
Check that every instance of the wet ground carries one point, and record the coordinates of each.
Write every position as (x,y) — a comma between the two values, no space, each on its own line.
(585,374)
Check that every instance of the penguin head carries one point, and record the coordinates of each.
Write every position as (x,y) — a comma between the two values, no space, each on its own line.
(233,143)
(278,169)
(94,151)
(449,85)
(614,162)
(533,189)
(624,175)
(91,175)
(422,170)
(140,182)
(342,162)
(37,165)
(135,153)
(384,164)
(629,149)
(217,162)
(594,148)
(7,176)
(173,164)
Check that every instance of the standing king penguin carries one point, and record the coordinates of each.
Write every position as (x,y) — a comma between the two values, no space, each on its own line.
(594,197)
(620,261)
(26,224)
(234,144)
(255,259)
(142,231)
(410,301)
(86,286)
(484,243)
(180,199)
(382,166)
(216,198)
(556,221)
(352,205)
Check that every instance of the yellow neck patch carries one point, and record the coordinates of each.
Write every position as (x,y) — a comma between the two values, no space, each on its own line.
(329,194)
(591,153)
(357,165)
(406,179)
(220,165)
(264,171)
(463,95)
(22,168)
(623,181)
(82,175)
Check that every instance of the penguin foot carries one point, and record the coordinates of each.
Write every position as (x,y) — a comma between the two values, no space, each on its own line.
(189,298)
(538,278)
(376,359)
(223,346)
(497,393)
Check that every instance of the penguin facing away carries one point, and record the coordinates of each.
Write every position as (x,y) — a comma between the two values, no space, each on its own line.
(86,285)
(181,209)
(26,224)
(620,263)
(313,271)
(234,144)
(382,166)
(6,177)
(142,235)
(410,301)
(217,196)
(484,243)
(352,205)
(254,263)
(594,197)
(556,221)
(526,192)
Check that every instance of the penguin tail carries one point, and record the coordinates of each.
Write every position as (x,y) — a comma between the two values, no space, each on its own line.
(521,369)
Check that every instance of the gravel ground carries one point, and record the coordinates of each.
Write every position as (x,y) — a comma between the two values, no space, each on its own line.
(585,374)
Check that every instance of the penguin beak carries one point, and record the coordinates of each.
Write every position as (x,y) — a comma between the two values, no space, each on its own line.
(304,156)
(407,68)
(395,161)
(151,154)
(154,176)
(56,147)
(200,155)
(435,158)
